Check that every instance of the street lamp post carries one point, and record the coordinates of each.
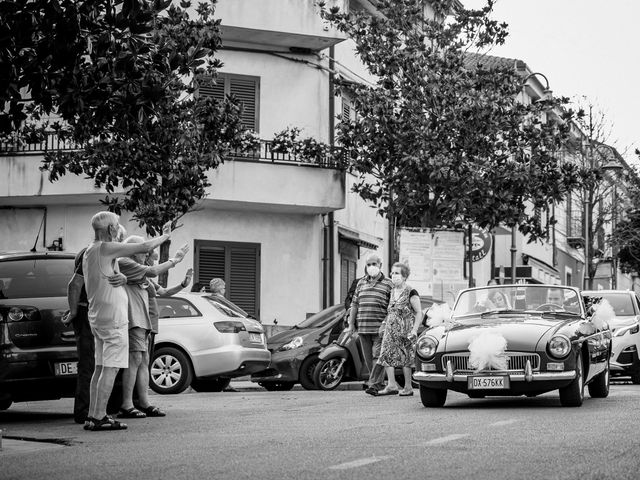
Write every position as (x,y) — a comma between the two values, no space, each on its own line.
(514,229)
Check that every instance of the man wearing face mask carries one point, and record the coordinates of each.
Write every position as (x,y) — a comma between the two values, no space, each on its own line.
(369,309)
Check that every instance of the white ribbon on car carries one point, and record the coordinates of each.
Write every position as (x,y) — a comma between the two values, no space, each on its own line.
(438,314)
(487,350)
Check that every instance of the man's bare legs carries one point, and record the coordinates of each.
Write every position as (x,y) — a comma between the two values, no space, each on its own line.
(101,387)
(129,379)
(142,381)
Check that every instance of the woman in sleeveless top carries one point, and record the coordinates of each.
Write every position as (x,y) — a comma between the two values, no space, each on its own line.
(400,329)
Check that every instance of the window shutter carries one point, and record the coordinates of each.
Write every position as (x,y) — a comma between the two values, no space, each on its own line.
(213,89)
(243,278)
(211,265)
(346,110)
(245,90)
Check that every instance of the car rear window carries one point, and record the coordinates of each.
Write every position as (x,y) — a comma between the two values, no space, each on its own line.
(171,307)
(37,277)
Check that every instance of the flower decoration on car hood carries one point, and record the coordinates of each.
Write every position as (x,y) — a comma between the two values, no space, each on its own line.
(487,350)
(603,314)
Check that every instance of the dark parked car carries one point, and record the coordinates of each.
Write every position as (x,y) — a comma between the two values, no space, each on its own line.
(38,358)
(515,340)
(294,352)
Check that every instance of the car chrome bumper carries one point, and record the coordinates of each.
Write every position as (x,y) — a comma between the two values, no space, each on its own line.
(514,377)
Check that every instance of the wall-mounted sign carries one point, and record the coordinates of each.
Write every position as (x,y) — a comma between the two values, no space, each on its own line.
(480,244)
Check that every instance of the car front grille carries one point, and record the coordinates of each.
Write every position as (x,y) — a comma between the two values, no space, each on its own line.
(516,362)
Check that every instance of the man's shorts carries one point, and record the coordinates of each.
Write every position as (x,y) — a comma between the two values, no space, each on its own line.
(112,346)
(138,339)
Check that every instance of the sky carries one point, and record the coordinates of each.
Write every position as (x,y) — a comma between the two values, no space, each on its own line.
(587,49)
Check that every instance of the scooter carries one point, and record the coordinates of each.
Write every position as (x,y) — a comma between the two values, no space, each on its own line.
(343,360)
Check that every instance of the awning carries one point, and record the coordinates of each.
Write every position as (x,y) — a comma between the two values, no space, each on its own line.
(357,238)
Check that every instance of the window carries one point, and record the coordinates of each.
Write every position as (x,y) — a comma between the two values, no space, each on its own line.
(348,265)
(171,307)
(35,277)
(238,264)
(246,89)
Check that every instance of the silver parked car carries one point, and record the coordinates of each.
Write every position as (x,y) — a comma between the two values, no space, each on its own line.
(204,341)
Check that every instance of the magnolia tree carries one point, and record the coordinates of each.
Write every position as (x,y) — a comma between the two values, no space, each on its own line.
(441,139)
(121,76)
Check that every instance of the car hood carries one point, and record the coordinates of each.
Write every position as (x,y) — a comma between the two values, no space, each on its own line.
(622,321)
(286,336)
(521,335)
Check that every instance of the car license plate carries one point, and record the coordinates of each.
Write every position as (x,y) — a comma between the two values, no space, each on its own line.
(255,337)
(488,383)
(66,368)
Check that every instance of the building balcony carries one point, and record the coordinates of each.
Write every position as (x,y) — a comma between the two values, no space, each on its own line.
(290,25)
(262,180)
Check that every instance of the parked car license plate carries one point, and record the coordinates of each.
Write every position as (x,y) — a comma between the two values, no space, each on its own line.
(488,383)
(255,337)
(66,368)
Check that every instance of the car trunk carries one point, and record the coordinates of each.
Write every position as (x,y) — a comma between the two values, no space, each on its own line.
(35,322)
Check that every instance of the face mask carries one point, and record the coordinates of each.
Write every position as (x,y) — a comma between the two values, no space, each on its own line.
(396,278)
(373,270)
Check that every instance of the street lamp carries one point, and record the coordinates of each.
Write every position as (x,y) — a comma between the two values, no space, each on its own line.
(514,230)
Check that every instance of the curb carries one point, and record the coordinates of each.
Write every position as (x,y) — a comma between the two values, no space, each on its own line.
(248,386)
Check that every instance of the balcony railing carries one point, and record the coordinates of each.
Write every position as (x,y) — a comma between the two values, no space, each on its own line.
(263,152)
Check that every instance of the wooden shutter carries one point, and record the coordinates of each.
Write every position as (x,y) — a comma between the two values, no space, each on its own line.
(243,278)
(245,90)
(238,264)
(211,264)
(346,110)
(213,89)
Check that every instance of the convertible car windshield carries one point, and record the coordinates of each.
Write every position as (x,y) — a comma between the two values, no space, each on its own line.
(518,298)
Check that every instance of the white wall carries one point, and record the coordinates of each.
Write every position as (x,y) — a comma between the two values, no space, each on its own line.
(291,93)
(290,245)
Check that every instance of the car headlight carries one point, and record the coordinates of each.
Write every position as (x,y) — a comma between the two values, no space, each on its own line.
(295,343)
(631,329)
(559,346)
(427,346)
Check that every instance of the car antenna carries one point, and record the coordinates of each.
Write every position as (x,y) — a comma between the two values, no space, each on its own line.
(33,249)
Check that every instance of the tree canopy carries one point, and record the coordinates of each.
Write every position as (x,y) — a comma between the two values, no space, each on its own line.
(120,75)
(441,138)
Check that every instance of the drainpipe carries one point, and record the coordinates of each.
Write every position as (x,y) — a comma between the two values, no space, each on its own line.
(332,140)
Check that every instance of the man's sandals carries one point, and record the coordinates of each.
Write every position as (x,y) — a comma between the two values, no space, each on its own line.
(106,423)
(151,411)
(132,412)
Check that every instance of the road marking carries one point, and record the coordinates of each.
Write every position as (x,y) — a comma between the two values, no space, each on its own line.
(503,422)
(358,463)
(448,438)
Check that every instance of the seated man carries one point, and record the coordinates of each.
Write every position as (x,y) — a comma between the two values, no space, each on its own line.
(555,296)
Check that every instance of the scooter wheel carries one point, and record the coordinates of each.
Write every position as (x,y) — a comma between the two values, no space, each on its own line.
(329,373)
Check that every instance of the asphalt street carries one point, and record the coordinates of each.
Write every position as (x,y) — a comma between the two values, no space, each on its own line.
(301,434)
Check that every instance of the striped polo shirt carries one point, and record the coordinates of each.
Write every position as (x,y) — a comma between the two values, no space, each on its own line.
(371,299)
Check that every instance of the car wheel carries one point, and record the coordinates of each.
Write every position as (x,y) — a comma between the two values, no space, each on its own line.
(599,387)
(5,403)
(329,373)
(635,378)
(306,372)
(277,386)
(210,384)
(433,397)
(573,394)
(171,371)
